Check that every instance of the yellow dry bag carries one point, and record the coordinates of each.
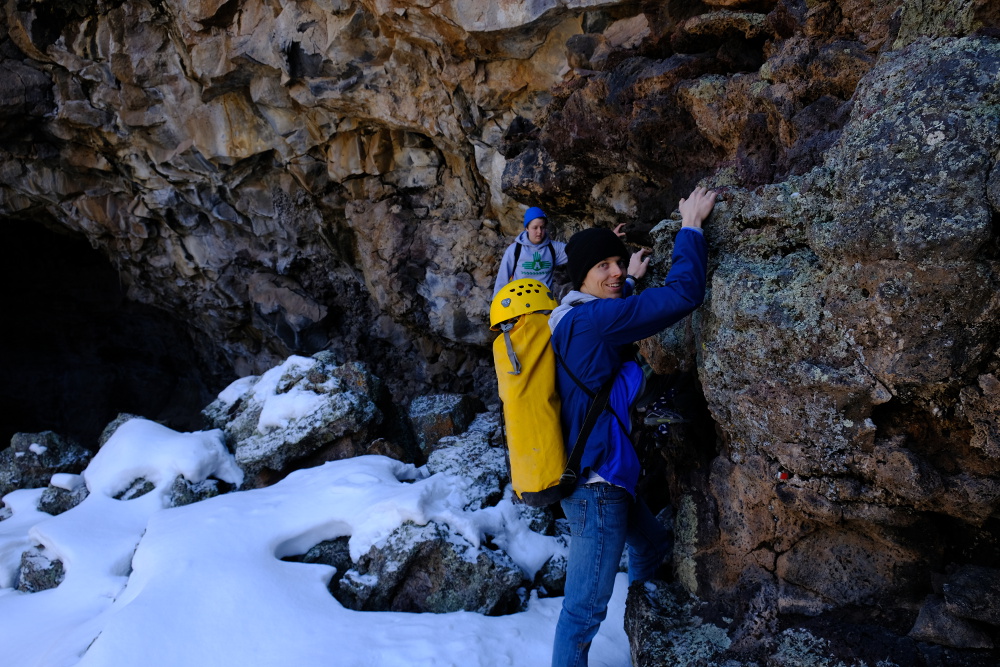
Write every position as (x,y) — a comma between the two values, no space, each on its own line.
(526,377)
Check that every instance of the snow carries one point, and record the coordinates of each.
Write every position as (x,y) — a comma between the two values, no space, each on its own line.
(204,583)
(67,481)
(145,449)
(281,405)
(237,389)
(279,411)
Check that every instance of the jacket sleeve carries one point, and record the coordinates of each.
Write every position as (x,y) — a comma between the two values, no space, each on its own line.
(561,256)
(626,320)
(505,271)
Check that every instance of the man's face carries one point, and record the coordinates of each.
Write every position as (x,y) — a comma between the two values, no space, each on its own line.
(605,279)
(536,230)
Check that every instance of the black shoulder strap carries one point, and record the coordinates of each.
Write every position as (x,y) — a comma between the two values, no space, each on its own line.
(594,396)
(579,384)
(571,474)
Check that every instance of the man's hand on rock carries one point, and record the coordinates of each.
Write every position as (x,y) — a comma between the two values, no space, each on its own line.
(696,207)
(638,263)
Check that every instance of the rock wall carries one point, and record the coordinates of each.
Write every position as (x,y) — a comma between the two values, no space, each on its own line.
(285,177)
(293,176)
(875,280)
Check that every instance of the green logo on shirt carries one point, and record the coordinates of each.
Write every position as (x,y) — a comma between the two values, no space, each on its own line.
(536,264)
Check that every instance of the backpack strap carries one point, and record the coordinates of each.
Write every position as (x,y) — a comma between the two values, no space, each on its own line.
(515,363)
(593,396)
(568,480)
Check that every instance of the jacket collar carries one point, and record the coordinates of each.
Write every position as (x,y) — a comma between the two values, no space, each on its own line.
(574,298)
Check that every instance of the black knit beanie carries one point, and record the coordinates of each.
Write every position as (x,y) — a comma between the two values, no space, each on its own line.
(589,247)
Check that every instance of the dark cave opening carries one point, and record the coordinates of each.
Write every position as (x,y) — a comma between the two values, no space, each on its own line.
(970,544)
(678,448)
(76,352)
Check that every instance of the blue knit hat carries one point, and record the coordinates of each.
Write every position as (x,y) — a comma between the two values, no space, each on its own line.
(532,213)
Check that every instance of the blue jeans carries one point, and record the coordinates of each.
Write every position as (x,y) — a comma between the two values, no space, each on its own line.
(603,518)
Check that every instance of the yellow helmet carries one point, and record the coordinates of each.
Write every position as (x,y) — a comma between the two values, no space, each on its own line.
(519,297)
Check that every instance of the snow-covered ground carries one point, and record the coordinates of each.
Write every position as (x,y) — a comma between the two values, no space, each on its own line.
(205,584)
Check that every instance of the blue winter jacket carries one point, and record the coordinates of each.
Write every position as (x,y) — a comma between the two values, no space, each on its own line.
(589,334)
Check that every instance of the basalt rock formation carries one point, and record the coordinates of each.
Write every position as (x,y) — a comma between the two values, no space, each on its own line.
(281,178)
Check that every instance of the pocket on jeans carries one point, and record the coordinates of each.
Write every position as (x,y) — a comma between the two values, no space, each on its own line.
(575,510)
(613,495)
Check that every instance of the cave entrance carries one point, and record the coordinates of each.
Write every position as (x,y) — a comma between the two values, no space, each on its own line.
(76,352)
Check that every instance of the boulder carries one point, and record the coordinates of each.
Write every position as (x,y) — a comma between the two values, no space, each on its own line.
(550,581)
(302,412)
(64,492)
(336,553)
(136,489)
(440,415)
(431,569)
(973,592)
(476,459)
(664,629)
(113,425)
(38,571)
(33,458)
(185,492)
(936,624)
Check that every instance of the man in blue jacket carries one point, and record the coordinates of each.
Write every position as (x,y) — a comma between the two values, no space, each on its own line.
(592,333)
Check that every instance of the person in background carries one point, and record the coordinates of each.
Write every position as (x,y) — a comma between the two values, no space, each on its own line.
(533,254)
(593,331)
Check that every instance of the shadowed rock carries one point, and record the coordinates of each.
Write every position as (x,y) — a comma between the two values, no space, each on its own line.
(973,592)
(33,458)
(38,572)
(430,569)
(434,417)
(938,625)
(63,493)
